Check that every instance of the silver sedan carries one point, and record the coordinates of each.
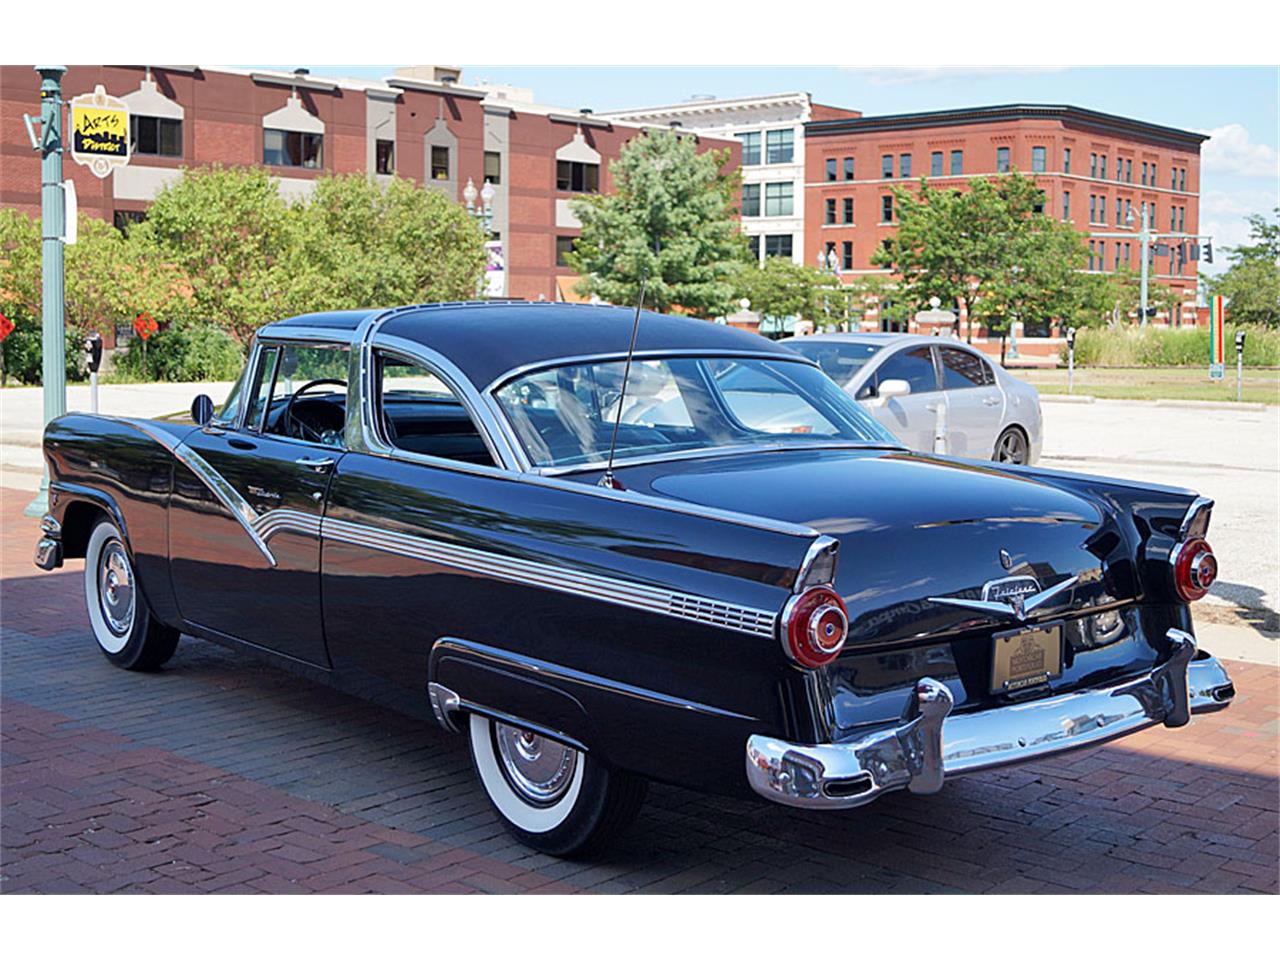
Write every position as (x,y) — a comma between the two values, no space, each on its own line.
(935,394)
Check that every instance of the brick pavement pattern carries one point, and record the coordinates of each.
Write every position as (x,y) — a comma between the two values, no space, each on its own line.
(222,773)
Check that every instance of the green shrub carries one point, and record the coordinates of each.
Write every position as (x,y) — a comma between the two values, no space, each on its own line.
(1157,347)
(185,351)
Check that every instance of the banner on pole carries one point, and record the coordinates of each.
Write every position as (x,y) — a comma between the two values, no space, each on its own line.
(1217,352)
(99,131)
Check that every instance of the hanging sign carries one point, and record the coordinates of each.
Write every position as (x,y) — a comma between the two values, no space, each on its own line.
(99,131)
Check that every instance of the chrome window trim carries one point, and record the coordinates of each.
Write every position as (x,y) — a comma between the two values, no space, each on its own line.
(266,343)
(709,453)
(619,356)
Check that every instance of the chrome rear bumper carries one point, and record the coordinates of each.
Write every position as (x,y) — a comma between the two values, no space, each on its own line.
(921,753)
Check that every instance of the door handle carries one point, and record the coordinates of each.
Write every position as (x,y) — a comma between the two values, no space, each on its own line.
(318,464)
(991,401)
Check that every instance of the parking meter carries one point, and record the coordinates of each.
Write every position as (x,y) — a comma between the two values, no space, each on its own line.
(93,360)
(1071,358)
(1239,365)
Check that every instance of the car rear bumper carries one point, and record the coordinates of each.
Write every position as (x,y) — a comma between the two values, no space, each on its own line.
(49,547)
(920,754)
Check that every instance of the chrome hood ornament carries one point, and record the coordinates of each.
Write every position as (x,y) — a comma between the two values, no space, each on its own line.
(1012,597)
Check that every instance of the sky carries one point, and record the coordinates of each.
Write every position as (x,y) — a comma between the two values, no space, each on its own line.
(1238,106)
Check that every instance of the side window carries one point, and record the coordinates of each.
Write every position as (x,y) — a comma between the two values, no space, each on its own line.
(914,366)
(260,386)
(961,369)
(308,393)
(421,414)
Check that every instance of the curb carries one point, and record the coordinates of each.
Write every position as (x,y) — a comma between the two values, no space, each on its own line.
(1210,404)
(1066,398)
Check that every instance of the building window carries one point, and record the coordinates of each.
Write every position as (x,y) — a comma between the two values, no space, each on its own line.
(1182,179)
(1119,211)
(1066,160)
(1093,208)
(1117,263)
(1093,165)
(384,156)
(778,199)
(1182,219)
(155,136)
(750,149)
(1102,254)
(904,166)
(564,247)
(1091,248)
(1173,178)
(1153,175)
(493,167)
(1039,159)
(753,244)
(777,245)
(848,209)
(831,210)
(886,208)
(439,163)
(780,145)
(886,167)
(1128,171)
(848,168)
(577,177)
(1038,206)
(829,257)
(286,148)
(846,255)
(1144,173)
(124,219)
(957,162)
(1102,166)
(1002,160)
(935,163)
(751,199)
(1066,204)
(831,168)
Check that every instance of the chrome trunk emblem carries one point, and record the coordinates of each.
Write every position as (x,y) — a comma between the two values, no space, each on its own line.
(1006,561)
(1014,597)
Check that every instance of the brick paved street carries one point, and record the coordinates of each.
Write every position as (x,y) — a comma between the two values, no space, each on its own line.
(224,774)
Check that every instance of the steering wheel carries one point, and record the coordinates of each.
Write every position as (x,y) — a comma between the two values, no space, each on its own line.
(305,432)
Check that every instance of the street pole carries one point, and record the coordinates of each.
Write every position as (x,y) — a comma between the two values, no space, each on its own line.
(1144,239)
(53,361)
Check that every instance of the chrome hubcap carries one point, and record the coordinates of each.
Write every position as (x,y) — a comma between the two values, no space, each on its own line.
(115,588)
(538,769)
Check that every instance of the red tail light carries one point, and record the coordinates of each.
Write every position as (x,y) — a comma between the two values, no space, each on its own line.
(1194,568)
(815,625)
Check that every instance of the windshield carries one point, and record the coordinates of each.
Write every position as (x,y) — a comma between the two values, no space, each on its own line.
(839,360)
(565,415)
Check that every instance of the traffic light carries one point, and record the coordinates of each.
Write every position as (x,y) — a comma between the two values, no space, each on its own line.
(1208,251)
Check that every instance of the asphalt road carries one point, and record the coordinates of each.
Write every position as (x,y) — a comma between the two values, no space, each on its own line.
(1231,455)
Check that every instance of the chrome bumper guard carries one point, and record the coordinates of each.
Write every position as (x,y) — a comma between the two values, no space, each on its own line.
(921,753)
(49,547)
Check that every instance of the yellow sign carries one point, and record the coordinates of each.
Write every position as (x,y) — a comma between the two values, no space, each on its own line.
(99,131)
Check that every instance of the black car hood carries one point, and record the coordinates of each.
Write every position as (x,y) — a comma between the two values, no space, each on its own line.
(911,527)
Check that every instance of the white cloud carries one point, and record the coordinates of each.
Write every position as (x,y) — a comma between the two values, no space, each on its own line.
(889,75)
(1230,149)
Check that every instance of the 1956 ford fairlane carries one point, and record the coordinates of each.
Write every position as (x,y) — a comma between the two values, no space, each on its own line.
(766,593)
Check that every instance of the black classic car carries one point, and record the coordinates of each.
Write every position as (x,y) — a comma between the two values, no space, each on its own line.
(765,593)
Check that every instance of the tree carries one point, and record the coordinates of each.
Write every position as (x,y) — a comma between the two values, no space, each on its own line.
(376,245)
(1252,283)
(986,249)
(670,220)
(781,288)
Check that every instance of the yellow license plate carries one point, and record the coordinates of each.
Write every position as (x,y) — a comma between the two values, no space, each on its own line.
(1027,657)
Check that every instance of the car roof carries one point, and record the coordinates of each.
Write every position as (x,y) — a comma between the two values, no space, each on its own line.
(880,339)
(486,339)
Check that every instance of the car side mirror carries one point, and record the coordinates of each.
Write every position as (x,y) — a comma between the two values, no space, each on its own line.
(202,410)
(889,389)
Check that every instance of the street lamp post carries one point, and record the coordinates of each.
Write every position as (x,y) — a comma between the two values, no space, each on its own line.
(1144,239)
(483,215)
(53,359)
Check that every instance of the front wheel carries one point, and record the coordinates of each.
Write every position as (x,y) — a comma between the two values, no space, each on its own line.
(127,634)
(552,797)
(1012,447)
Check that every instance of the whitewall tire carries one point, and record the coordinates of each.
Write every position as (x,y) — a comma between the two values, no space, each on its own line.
(126,632)
(553,797)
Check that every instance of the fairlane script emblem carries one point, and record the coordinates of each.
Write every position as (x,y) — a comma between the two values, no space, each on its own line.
(1015,597)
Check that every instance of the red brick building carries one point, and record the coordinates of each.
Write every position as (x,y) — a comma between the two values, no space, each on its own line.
(1096,170)
(421,123)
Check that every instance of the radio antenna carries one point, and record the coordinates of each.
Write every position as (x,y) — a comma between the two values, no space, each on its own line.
(608,479)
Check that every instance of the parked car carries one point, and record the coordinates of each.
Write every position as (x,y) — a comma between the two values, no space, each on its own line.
(926,388)
(415,504)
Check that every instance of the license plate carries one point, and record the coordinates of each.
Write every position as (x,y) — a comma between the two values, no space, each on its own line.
(1027,657)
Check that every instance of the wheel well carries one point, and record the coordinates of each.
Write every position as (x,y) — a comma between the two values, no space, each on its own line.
(77,523)
(1020,428)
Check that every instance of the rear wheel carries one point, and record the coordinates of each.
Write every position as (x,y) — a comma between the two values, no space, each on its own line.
(127,634)
(1012,447)
(552,797)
